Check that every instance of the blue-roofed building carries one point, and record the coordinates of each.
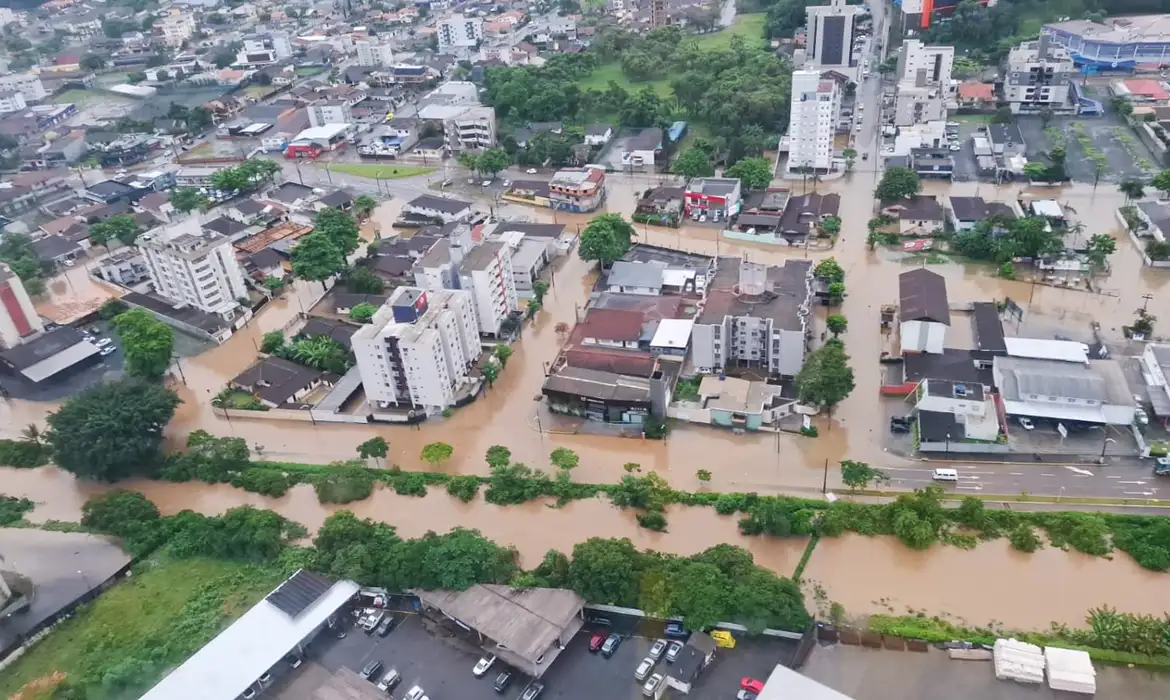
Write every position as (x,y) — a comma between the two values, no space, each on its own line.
(1123,43)
(676,131)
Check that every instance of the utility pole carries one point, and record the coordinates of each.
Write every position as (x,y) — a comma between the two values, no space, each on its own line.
(1146,300)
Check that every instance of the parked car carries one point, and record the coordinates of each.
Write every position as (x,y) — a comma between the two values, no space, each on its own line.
(102,342)
(1026,423)
(745,695)
(673,652)
(612,642)
(533,690)
(248,694)
(386,626)
(293,660)
(415,693)
(531,171)
(486,183)
(752,685)
(657,649)
(373,621)
(676,630)
(391,679)
(651,685)
(596,641)
(1162,467)
(265,679)
(484,664)
(108,351)
(1141,416)
(643,669)
(503,681)
(371,669)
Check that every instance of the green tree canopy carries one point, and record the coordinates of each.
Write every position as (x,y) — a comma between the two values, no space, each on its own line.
(492,161)
(317,258)
(498,456)
(564,458)
(606,239)
(859,475)
(836,323)
(692,163)
(188,199)
(436,453)
(147,343)
(121,227)
(112,431)
(375,447)
(826,377)
(754,173)
(606,571)
(897,183)
(363,312)
(338,227)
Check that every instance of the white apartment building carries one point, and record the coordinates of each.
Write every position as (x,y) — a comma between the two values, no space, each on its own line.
(12,101)
(934,63)
(194,266)
(829,35)
(473,128)
(370,52)
(18,318)
(419,349)
(330,113)
(261,49)
(459,31)
(26,83)
(486,271)
(1038,76)
(176,27)
(816,105)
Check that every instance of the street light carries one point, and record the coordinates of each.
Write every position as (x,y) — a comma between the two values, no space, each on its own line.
(1104,446)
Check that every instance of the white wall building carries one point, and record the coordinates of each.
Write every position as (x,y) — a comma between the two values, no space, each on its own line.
(924,313)
(27,83)
(419,349)
(829,35)
(12,101)
(459,31)
(176,27)
(330,113)
(1038,76)
(371,52)
(191,265)
(18,317)
(936,62)
(816,105)
(486,271)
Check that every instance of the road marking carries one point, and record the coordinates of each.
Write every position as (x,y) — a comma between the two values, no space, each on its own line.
(1135,483)
(1016,473)
(1113,476)
(976,487)
(1047,475)
(1079,472)
(1138,493)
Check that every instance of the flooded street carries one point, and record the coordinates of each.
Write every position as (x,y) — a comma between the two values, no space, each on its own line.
(866,575)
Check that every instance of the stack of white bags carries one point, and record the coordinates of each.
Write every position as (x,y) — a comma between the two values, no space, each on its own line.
(1071,670)
(1018,661)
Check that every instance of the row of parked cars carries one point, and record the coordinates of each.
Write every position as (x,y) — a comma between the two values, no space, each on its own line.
(505,677)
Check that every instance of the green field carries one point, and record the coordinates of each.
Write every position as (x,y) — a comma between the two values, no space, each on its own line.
(122,643)
(382,172)
(749,26)
(77,97)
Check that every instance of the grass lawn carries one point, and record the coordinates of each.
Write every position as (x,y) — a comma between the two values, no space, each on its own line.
(309,70)
(384,172)
(122,643)
(600,77)
(749,26)
(257,90)
(77,97)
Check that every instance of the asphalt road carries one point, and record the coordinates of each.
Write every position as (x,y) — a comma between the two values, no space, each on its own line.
(1121,481)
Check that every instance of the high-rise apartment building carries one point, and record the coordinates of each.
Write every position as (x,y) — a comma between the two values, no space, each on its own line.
(829,34)
(191,265)
(18,317)
(371,52)
(176,26)
(27,84)
(419,349)
(932,63)
(459,31)
(1038,76)
(816,105)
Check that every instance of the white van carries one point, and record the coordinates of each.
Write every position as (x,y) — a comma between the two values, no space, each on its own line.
(945,475)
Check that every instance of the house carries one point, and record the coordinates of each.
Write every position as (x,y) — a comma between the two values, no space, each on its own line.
(696,655)
(718,198)
(974,94)
(277,382)
(343,302)
(635,278)
(803,214)
(610,328)
(577,189)
(932,162)
(969,405)
(1156,217)
(431,150)
(1057,390)
(920,215)
(598,134)
(741,404)
(339,331)
(642,149)
(443,209)
(965,212)
(293,194)
(924,313)
(337,199)
(1006,139)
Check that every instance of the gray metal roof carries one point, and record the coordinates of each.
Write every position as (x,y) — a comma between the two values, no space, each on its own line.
(628,274)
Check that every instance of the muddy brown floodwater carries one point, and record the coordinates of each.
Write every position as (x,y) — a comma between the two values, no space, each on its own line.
(865,575)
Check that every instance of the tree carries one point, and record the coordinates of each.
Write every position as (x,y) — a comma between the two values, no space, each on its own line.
(502,353)
(321,352)
(539,289)
(753,173)
(91,61)
(316,258)
(112,431)
(122,227)
(1122,106)
(188,199)
(1162,183)
(436,453)
(1036,170)
(363,280)
(836,323)
(121,513)
(829,270)
(363,312)
(147,343)
(605,571)
(1144,323)
(1101,246)
(1003,115)
(364,205)
(859,475)
(703,475)
(272,341)
(693,163)
(492,161)
(897,183)
(826,377)
(830,225)
(136,77)
(699,594)
(850,158)
(468,160)
(605,239)
(375,447)
(498,456)
(1132,189)
(338,227)
(564,458)
(491,372)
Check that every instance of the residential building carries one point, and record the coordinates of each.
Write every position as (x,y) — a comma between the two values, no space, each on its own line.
(467,127)
(804,213)
(324,113)
(444,209)
(486,271)
(533,247)
(1087,392)
(458,31)
(965,212)
(577,189)
(277,382)
(371,52)
(1155,370)
(816,105)
(598,134)
(1006,140)
(12,101)
(419,349)
(918,103)
(262,49)
(932,64)
(18,318)
(718,198)
(127,267)
(28,84)
(920,215)
(194,266)
(975,94)
(923,311)
(754,316)
(1038,77)
(829,35)
(176,26)
(643,279)
(642,149)
(932,162)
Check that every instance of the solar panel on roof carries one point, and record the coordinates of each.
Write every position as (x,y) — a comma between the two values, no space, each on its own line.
(299,592)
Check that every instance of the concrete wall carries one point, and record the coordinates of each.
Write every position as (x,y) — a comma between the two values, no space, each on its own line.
(964,447)
(690,412)
(1139,244)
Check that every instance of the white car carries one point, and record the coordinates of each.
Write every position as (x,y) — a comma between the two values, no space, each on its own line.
(1026,423)
(484,664)
(101,343)
(531,171)
(108,351)
(660,645)
(673,652)
(486,183)
(651,685)
(643,669)
(1141,416)
(956,147)
(415,693)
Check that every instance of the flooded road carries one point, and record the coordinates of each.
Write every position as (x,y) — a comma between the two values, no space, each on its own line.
(762,462)
(866,575)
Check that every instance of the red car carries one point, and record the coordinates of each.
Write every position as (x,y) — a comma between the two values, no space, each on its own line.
(752,685)
(596,641)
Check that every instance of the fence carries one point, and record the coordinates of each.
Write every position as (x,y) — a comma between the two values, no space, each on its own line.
(1139,244)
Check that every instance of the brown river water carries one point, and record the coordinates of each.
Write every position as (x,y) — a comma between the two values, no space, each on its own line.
(942,579)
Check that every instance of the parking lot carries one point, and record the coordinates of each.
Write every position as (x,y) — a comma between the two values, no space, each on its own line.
(1044,438)
(441,662)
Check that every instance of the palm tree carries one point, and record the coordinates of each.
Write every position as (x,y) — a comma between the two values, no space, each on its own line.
(316,351)
(32,434)
(1132,189)
(363,205)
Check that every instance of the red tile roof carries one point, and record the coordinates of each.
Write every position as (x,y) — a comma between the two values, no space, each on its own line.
(610,324)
